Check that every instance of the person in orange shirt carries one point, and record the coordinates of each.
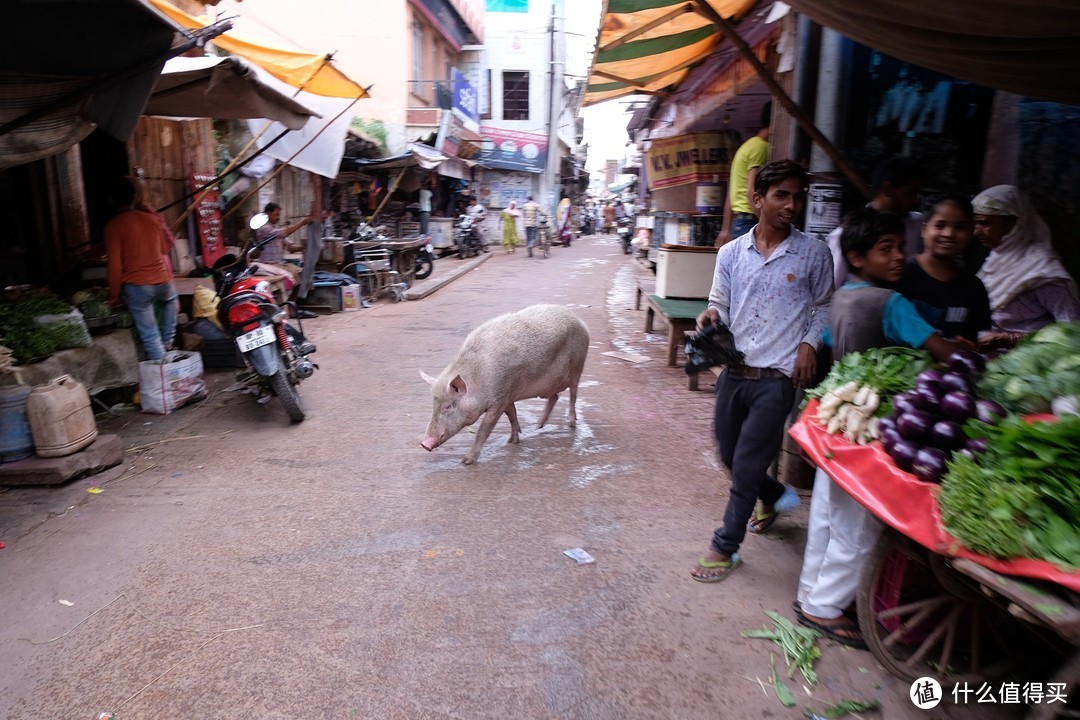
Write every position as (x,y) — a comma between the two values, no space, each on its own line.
(136,244)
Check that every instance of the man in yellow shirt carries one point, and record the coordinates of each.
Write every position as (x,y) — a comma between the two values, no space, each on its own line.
(739,217)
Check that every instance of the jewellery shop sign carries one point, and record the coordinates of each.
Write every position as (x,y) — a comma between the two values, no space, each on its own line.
(686,159)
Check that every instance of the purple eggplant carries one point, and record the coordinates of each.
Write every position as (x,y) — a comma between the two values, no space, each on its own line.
(930,380)
(926,400)
(902,403)
(988,411)
(976,445)
(889,438)
(967,362)
(956,381)
(885,424)
(903,454)
(914,425)
(958,406)
(929,464)
(946,435)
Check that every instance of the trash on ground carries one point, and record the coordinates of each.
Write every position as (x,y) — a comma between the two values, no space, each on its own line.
(580,556)
(628,357)
(66,603)
(94,490)
(782,690)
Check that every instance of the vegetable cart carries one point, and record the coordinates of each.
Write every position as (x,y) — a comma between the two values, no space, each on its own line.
(928,606)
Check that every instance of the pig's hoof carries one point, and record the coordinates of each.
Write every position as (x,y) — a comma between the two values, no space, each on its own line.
(572,423)
(468,460)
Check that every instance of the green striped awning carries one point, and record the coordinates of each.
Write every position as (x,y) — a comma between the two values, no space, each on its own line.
(646,46)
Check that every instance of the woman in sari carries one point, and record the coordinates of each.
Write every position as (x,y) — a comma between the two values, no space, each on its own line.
(1028,286)
(562,217)
(509,219)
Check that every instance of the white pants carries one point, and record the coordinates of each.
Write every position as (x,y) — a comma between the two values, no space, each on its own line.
(840,535)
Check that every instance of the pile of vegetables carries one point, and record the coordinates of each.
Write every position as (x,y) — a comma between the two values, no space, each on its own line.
(1021,496)
(92,303)
(850,409)
(925,429)
(28,340)
(1042,367)
(859,389)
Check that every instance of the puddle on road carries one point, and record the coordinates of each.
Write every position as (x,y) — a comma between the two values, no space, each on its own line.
(583,477)
(626,333)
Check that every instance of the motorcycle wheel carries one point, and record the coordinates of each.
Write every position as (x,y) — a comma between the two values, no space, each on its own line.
(288,395)
(424,266)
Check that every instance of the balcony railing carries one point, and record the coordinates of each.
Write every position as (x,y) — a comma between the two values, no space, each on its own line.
(436,93)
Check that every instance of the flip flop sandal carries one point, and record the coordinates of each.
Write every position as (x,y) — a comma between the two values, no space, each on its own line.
(761,522)
(832,632)
(789,501)
(726,565)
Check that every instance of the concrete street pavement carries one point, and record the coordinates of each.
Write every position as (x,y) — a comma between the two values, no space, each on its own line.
(237,566)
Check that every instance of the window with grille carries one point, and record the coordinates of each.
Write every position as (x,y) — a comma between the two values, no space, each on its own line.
(515,96)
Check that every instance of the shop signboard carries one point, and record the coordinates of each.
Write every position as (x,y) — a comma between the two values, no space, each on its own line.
(686,159)
(513,150)
(208,219)
(465,103)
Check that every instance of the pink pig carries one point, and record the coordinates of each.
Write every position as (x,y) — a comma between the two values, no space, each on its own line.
(535,352)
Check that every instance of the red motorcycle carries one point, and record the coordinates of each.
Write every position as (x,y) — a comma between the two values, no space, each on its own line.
(274,351)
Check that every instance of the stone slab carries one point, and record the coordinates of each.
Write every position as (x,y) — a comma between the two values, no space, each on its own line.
(105,452)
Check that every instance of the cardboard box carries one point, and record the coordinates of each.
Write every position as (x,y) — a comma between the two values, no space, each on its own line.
(350,298)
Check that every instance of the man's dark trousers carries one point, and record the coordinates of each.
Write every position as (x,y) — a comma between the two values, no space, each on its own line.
(749,424)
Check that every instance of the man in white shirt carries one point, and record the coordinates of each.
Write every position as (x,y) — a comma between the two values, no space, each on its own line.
(425,207)
(478,213)
(771,288)
(896,190)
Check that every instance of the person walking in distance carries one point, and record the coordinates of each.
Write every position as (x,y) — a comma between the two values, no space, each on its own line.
(136,243)
(425,206)
(739,212)
(771,287)
(531,216)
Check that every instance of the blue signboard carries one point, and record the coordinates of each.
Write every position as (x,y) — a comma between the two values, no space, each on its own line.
(521,6)
(466,101)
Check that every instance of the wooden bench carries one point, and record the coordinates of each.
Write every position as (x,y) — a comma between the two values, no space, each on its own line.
(646,285)
(680,316)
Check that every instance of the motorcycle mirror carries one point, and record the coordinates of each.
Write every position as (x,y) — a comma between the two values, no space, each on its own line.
(258,220)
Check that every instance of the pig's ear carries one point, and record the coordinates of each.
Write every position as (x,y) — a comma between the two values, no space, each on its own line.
(427,378)
(458,384)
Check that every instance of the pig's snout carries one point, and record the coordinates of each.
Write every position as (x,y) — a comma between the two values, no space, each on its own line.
(430,443)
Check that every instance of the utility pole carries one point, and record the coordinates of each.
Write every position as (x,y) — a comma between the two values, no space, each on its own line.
(555,85)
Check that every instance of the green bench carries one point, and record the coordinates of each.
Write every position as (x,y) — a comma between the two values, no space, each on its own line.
(680,316)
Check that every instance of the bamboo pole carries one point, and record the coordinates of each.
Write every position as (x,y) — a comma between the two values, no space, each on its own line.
(732,35)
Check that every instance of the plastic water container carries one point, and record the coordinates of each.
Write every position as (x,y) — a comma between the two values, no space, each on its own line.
(61,419)
(16,442)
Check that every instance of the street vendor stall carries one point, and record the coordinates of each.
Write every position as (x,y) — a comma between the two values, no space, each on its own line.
(936,598)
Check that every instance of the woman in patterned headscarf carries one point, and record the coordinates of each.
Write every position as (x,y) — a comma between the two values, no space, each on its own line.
(1028,286)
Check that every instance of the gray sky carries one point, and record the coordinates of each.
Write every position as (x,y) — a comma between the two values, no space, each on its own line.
(605,124)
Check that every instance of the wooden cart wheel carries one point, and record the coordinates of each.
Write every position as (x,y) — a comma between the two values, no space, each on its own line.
(917,626)
(1070,675)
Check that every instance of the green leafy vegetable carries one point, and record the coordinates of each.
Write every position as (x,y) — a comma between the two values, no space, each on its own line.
(782,690)
(1041,367)
(798,643)
(846,707)
(1020,498)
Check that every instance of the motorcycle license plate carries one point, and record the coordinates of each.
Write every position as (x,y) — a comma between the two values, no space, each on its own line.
(256,338)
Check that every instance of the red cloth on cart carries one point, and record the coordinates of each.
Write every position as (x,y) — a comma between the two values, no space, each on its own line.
(902,501)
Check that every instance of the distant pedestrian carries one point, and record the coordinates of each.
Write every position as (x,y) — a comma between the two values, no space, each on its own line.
(425,206)
(509,220)
(531,216)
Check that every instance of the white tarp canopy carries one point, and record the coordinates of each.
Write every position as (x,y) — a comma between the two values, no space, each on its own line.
(226,88)
(319,146)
